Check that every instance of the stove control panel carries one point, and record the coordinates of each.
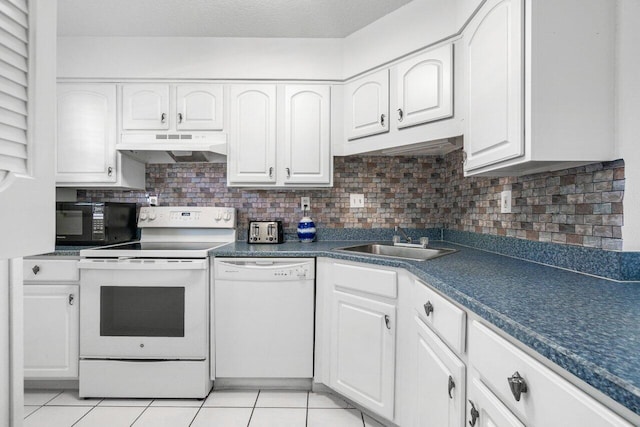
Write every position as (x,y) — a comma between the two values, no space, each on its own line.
(186,217)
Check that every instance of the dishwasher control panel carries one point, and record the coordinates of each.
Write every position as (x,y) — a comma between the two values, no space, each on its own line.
(264,269)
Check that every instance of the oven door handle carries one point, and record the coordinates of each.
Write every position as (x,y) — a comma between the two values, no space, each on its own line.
(142,264)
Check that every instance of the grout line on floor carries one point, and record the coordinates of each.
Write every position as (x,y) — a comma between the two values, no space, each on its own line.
(254,408)
(306,418)
(39,407)
(143,411)
(78,420)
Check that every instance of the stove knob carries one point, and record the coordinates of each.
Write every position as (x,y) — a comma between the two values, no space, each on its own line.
(143,216)
(152,215)
(227,216)
(218,216)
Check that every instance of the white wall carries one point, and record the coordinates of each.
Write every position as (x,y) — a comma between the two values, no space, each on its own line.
(199,57)
(409,28)
(628,116)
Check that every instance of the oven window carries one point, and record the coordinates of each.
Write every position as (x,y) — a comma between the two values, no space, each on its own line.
(69,223)
(136,311)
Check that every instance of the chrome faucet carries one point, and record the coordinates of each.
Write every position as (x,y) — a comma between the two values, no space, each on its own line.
(398,229)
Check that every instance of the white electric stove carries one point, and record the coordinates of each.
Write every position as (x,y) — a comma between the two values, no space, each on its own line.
(144,306)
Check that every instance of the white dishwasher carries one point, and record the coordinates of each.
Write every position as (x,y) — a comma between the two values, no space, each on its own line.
(263,317)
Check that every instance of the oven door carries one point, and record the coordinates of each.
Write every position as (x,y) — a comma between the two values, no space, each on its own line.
(144,309)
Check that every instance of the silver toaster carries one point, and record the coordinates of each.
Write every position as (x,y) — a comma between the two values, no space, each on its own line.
(265,232)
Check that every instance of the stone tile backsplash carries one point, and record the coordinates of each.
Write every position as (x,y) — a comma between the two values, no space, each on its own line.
(578,206)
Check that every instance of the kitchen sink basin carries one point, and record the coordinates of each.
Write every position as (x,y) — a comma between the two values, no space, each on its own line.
(404,252)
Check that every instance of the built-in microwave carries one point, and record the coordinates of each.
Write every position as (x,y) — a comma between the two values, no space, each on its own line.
(95,223)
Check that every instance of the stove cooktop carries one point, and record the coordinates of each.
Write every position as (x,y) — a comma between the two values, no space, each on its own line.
(153,250)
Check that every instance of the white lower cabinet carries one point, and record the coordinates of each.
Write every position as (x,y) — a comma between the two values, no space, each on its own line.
(51,331)
(535,394)
(363,351)
(439,381)
(486,410)
(402,351)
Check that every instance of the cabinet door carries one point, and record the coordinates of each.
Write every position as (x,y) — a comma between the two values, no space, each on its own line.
(486,410)
(307,135)
(425,87)
(440,381)
(367,105)
(494,55)
(145,107)
(199,107)
(51,331)
(85,148)
(252,139)
(363,351)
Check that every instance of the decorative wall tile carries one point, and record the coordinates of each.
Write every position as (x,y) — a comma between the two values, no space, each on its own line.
(578,206)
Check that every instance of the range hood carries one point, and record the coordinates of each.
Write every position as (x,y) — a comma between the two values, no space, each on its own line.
(174,147)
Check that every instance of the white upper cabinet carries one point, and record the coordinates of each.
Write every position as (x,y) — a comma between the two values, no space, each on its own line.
(407,108)
(539,94)
(86,153)
(280,135)
(494,46)
(86,146)
(425,87)
(199,107)
(307,135)
(181,107)
(145,107)
(252,143)
(366,105)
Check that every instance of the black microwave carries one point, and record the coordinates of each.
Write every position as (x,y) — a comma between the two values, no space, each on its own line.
(95,223)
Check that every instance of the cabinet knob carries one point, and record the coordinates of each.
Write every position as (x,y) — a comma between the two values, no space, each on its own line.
(163,118)
(71,299)
(518,385)
(474,414)
(179,117)
(35,269)
(428,308)
(387,321)
(382,120)
(450,386)
(400,114)
(109,171)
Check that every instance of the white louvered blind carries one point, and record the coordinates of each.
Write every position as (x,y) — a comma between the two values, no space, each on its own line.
(14,66)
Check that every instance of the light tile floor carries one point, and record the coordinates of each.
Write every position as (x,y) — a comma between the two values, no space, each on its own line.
(260,408)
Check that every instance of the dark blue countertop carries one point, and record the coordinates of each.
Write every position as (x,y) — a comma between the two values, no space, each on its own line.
(586,325)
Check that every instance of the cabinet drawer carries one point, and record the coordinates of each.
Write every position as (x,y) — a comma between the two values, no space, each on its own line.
(447,320)
(549,399)
(45,270)
(364,279)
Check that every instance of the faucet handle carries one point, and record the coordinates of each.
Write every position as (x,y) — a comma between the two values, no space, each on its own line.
(424,241)
(396,238)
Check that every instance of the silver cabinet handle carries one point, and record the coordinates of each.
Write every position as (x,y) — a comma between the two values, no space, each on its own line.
(35,269)
(464,157)
(179,117)
(450,386)
(271,172)
(518,385)
(71,299)
(400,114)
(428,308)
(474,414)
(163,118)
(387,321)
(382,120)
(288,172)
(109,171)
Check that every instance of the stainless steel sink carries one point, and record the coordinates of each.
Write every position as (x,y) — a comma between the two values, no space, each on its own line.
(404,252)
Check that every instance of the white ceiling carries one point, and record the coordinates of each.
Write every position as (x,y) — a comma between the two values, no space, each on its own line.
(220,18)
